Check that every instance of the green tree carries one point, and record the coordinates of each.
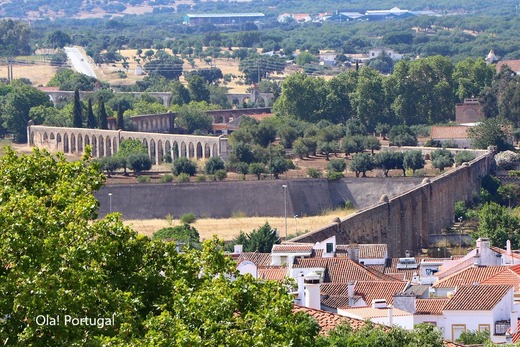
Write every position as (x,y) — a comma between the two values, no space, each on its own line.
(102,115)
(279,165)
(471,337)
(15,38)
(164,65)
(372,143)
(259,240)
(257,169)
(15,111)
(91,119)
(305,58)
(361,163)
(184,234)
(120,122)
(387,161)
(58,260)
(128,148)
(463,157)
(198,88)
(413,160)
(490,132)
(193,118)
(299,148)
(213,164)
(499,225)
(336,165)
(184,165)
(441,158)
(77,111)
(58,39)
(181,95)
(139,162)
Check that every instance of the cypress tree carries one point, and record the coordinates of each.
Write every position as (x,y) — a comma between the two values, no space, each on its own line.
(103,119)
(77,111)
(120,120)
(91,119)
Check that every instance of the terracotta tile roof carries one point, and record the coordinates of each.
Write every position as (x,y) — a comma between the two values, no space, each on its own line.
(477,297)
(417,289)
(259,259)
(318,253)
(370,312)
(328,320)
(399,277)
(513,64)
(366,251)
(341,270)
(293,248)
(432,306)
(516,336)
(275,274)
(474,274)
(378,268)
(448,132)
(509,276)
(337,293)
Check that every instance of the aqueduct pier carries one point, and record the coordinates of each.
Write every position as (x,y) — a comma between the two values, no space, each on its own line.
(105,143)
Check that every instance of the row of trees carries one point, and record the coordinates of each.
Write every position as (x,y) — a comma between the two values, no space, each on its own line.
(417,92)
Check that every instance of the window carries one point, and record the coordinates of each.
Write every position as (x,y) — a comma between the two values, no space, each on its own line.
(484,327)
(330,247)
(456,330)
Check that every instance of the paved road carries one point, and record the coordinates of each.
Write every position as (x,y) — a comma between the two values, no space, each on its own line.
(79,62)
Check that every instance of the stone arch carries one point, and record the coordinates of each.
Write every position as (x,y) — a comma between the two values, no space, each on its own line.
(219,118)
(115,145)
(108,144)
(73,144)
(101,146)
(94,147)
(168,149)
(66,148)
(245,101)
(154,124)
(59,142)
(153,151)
(215,151)
(191,150)
(160,152)
(175,150)
(207,151)
(184,153)
(45,137)
(31,138)
(235,102)
(87,140)
(52,137)
(260,102)
(199,154)
(80,143)
(145,144)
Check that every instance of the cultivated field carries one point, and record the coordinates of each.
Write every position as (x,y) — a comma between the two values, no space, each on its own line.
(229,228)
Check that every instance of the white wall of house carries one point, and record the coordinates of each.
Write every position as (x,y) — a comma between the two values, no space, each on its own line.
(331,241)
(432,319)
(457,321)
(405,322)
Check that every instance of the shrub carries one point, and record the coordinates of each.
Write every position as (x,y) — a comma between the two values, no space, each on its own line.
(167,178)
(214,164)
(181,234)
(220,175)
(464,157)
(333,175)
(143,179)
(201,178)
(183,177)
(184,165)
(507,160)
(139,162)
(188,218)
(313,173)
(336,165)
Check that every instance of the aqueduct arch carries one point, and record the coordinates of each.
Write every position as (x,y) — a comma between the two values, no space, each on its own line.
(106,142)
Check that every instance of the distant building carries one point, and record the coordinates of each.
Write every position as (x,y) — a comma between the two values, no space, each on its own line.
(376,52)
(469,112)
(512,64)
(222,18)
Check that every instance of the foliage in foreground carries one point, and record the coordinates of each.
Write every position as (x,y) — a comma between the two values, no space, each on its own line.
(56,260)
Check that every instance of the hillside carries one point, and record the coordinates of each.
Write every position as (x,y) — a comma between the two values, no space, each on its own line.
(81,9)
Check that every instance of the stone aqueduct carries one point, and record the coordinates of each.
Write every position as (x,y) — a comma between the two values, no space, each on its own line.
(264,99)
(105,143)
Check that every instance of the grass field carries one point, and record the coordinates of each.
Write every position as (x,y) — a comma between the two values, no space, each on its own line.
(229,228)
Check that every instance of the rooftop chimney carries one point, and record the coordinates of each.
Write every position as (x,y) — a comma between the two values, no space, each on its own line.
(379,303)
(350,289)
(301,290)
(405,302)
(312,290)
(238,249)
(390,315)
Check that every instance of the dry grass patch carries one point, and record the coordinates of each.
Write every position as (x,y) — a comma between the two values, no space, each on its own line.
(38,74)
(229,228)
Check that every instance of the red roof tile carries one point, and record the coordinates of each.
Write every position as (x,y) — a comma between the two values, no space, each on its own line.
(474,274)
(448,132)
(293,248)
(477,297)
(509,276)
(408,273)
(513,65)
(275,274)
(259,259)
(432,306)
(367,290)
